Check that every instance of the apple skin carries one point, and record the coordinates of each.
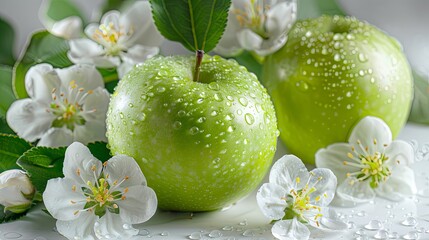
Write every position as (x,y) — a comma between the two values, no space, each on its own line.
(201,145)
(332,72)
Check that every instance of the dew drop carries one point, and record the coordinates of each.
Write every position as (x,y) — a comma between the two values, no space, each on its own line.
(249,233)
(215,234)
(381,234)
(249,118)
(214,86)
(409,221)
(200,100)
(12,235)
(230,129)
(228,228)
(201,119)
(181,113)
(411,236)
(177,125)
(165,233)
(362,57)
(195,235)
(127,226)
(351,225)
(218,97)
(394,235)
(374,225)
(243,223)
(160,89)
(360,232)
(121,115)
(214,113)
(337,57)
(243,101)
(194,130)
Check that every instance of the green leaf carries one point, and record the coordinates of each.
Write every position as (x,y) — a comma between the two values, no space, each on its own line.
(100,151)
(43,48)
(6,43)
(316,8)
(110,77)
(59,9)
(197,24)
(4,127)
(7,216)
(42,164)
(249,61)
(116,4)
(11,148)
(6,92)
(420,108)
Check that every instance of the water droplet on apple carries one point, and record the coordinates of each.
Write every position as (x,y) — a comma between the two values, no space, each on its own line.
(160,89)
(230,129)
(243,101)
(362,57)
(303,86)
(176,78)
(338,36)
(121,115)
(218,97)
(245,141)
(214,86)
(239,112)
(214,113)
(177,125)
(201,119)
(229,117)
(181,113)
(200,100)
(230,98)
(249,118)
(194,130)
(337,57)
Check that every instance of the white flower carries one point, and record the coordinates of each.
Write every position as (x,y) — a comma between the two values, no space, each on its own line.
(16,191)
(295,196)
(96,200)
(65,105)
(120,40)
(257,25)
(370,163)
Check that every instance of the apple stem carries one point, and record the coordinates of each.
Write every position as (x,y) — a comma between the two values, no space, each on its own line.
(199,58)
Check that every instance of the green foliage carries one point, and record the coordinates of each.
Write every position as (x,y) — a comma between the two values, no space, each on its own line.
(197,24)
(420,108)
(59,9)
(248,60)
(6,43)
(116,4)
(316,8)
(11,148)
(6,93)
(100,151)
(43,48)
(4,127)
(110,77)
(7,216)
(42,164)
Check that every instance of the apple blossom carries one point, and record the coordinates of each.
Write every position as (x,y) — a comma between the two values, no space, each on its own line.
(370,163)
(120,40)
(99,200)
(295,196)
(257,25)
(16,191)
(64,105)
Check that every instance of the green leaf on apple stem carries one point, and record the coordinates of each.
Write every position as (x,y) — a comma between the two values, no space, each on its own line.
(11,148)
(42,48)
(6,43)
(6,92)
(197,24)
(420,107)
(42,164)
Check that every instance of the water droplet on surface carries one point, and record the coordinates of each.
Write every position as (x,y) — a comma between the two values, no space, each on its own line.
(374,225)
(164,233)
(215,234)
(351,225)
(195,235)
(249,118)
(394,235)
(360,232)
(127,226)
(243,223)
(409,221)
(228,228)
(411,236)
(381,234)
(12,235)
(249,233)
(40,238)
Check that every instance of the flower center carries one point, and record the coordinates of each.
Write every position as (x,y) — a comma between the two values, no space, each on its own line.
(253,16)
(372,167)
(301,202)
(101,196)
(108,36)
(68,106)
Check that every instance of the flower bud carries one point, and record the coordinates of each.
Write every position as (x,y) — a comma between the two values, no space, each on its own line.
(16,191)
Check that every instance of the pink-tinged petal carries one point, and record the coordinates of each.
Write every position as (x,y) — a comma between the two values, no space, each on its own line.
(80,165)
(372,133)
(289,172)
(80,228)
(56,137)
(271,199)
(139,205)
(112,226)
(29,118)
(290,230)
(64,199)
(125,170)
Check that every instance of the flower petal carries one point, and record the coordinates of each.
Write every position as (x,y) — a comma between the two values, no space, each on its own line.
(366,131)
(111,226)
(63,199)
(249,40)
(400,152)
(121,167)
(400,184)
(325,183)
(356,191)
(40,80)
(330,221)
(139,205)
(92,131)
(270,198)
(12,196)
(67,28)
(333,158)
(290,230)
(84,76)
(280,18)
(29,118)
(228,45)
(78,164)
(83,48)
(79,228)
(287,170)
(139,54)
(56,137)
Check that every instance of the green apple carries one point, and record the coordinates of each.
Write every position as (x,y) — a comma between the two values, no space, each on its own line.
(332,72)
(201,145)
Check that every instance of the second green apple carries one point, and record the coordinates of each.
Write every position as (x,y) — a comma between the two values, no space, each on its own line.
(332,72)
